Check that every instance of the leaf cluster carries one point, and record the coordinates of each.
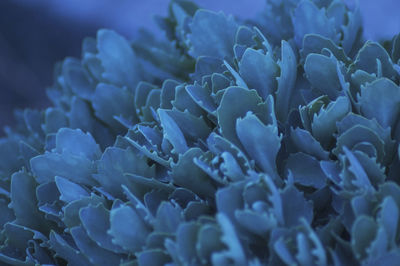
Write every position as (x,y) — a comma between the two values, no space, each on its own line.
(273,141)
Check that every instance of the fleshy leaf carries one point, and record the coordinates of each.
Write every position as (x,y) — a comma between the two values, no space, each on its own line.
(352,119)
(184,102)
(185,241)
(368,56)
(64,250)
(396,48)
(256,223)
(95,254)
(351,32)
(120,64)
(24,202)
(304,142)
(116,162)
(194,128)
(78,79)
(172,132)
(212,34)
(75,168)
(295,207)
(260,141)
(168,93)
(361,179)
(235,103)
(168,218)
(324,123)
(321,71)
(307,18)
(306,170)
(69,191)
(381,100)
(77,143)
(389,219)
(286,81)
(363,232)
(358,134)
(229,237)
(71,210)
(153,257)
(208,242)
(96,221)
(202,96)
(229,199)
(127,229)
(259,71)
(147,97)
(315,43)
(54,120)
(197,181)
(110,101)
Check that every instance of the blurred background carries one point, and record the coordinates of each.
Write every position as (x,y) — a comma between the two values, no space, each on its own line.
(35,34)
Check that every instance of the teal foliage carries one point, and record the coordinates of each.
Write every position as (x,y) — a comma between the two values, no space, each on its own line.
(273,141)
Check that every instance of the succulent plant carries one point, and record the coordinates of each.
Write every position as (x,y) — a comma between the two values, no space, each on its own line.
(272,141)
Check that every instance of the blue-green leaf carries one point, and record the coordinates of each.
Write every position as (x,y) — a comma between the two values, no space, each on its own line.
(324,123)
(172,132)
(259,71)
(95,254)
(24,202)
(168,218)
(235,103)
(304,142)
(286,81)
(54,120)
(368,56)
(307,18)
(197,181)
(96,221)
(128,230)
(153,257)
(208,242)
(212,34)
(71,210)
(295,207)
(75,168)
(69,190)
(78,79)
(381,100)
(118,59)
(64,250)
(115,163)
(315,43)
(229,237)
(363,232)
(388,217)
(306,170)
(77,143)
(321,71)
(260,141)
(110,101)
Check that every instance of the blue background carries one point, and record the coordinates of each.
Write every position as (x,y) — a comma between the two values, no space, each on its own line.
(34,34)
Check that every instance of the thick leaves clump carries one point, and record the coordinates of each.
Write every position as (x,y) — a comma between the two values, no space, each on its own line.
(273,141)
